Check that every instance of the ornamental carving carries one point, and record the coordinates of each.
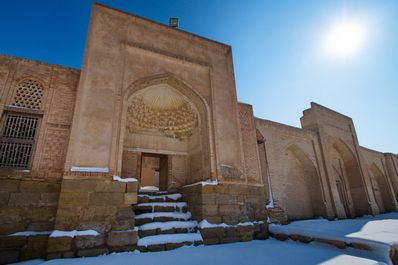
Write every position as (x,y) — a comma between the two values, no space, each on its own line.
(161,109)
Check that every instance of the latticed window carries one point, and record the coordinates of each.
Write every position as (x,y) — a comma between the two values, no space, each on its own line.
(17,140)
(28,94)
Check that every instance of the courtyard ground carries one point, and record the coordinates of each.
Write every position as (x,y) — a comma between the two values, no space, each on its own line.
(380,232)
(249,253)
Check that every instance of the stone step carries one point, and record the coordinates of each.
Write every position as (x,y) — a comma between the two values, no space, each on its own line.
(145,218)
(169,241)
(151,207)
(172,227)
(144,198)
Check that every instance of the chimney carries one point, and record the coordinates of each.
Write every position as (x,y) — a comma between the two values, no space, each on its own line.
(173,22)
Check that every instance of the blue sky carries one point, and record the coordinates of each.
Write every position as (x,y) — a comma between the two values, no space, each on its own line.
(278,49)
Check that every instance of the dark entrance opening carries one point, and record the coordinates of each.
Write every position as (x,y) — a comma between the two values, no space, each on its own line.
(154,171)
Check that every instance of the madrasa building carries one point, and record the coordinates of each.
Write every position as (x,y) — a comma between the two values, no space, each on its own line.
(148,139)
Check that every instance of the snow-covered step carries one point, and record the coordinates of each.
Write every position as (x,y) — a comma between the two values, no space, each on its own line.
(169,241)
(145,218)
(172,227)
(175,197)
(161,207)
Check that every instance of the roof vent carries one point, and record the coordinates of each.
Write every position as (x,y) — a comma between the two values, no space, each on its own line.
(173,22)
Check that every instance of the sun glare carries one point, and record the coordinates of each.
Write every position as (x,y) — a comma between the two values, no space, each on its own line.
(345,39)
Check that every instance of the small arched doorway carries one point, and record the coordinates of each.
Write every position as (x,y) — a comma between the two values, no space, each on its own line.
(165,140)
(381,189)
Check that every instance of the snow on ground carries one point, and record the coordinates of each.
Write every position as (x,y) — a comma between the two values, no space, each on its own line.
(258,252)
(381,228)
(379,232)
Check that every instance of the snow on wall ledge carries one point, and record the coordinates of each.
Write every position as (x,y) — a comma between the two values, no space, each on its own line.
(90,169)
(73,233)
(203,183)
(124,180)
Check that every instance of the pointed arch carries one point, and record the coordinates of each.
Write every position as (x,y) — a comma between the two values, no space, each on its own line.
(304,197)
(381,189)
(201,160)
(351,175)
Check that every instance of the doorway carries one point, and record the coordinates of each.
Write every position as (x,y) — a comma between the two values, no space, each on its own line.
(154,171)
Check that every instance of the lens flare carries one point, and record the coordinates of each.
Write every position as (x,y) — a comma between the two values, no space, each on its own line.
(345,38)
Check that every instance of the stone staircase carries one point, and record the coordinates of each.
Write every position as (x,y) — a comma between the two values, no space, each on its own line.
(164,223)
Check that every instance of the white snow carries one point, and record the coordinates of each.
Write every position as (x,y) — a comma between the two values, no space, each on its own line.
(205,224)
(211,182)
(379,232)
(169,238)
(73,233)
(149,188)
(31,233)
(184,216)
(175,196)
(176,205)
(90,169)
(119,179)
(258,252)
(169,225)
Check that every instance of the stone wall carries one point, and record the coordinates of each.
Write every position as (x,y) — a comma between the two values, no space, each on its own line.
(235,233)
(99,204)
(26,205)
(226,203)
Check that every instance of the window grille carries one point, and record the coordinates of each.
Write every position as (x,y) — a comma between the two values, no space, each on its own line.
(28,94)
(17,141)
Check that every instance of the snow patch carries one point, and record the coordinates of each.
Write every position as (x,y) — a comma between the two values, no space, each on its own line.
(73,233)
(119,179)
(168,225)
(176,205)
(90,169)
(175,196)
(169,238)
(184,216)
(211,182)
(31,233)
(205,224)
(149,188)
(380,232)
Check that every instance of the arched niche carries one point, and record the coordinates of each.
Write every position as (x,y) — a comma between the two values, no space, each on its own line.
(381,189)
(163,115)
(349,181)
(304,197)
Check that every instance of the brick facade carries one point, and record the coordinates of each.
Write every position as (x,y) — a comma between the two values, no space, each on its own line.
(262,168)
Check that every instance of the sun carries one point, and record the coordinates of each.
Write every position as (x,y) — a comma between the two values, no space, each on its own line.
(345,38)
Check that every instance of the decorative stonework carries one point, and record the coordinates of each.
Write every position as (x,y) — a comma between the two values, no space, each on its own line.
(161,109)
(29,94)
